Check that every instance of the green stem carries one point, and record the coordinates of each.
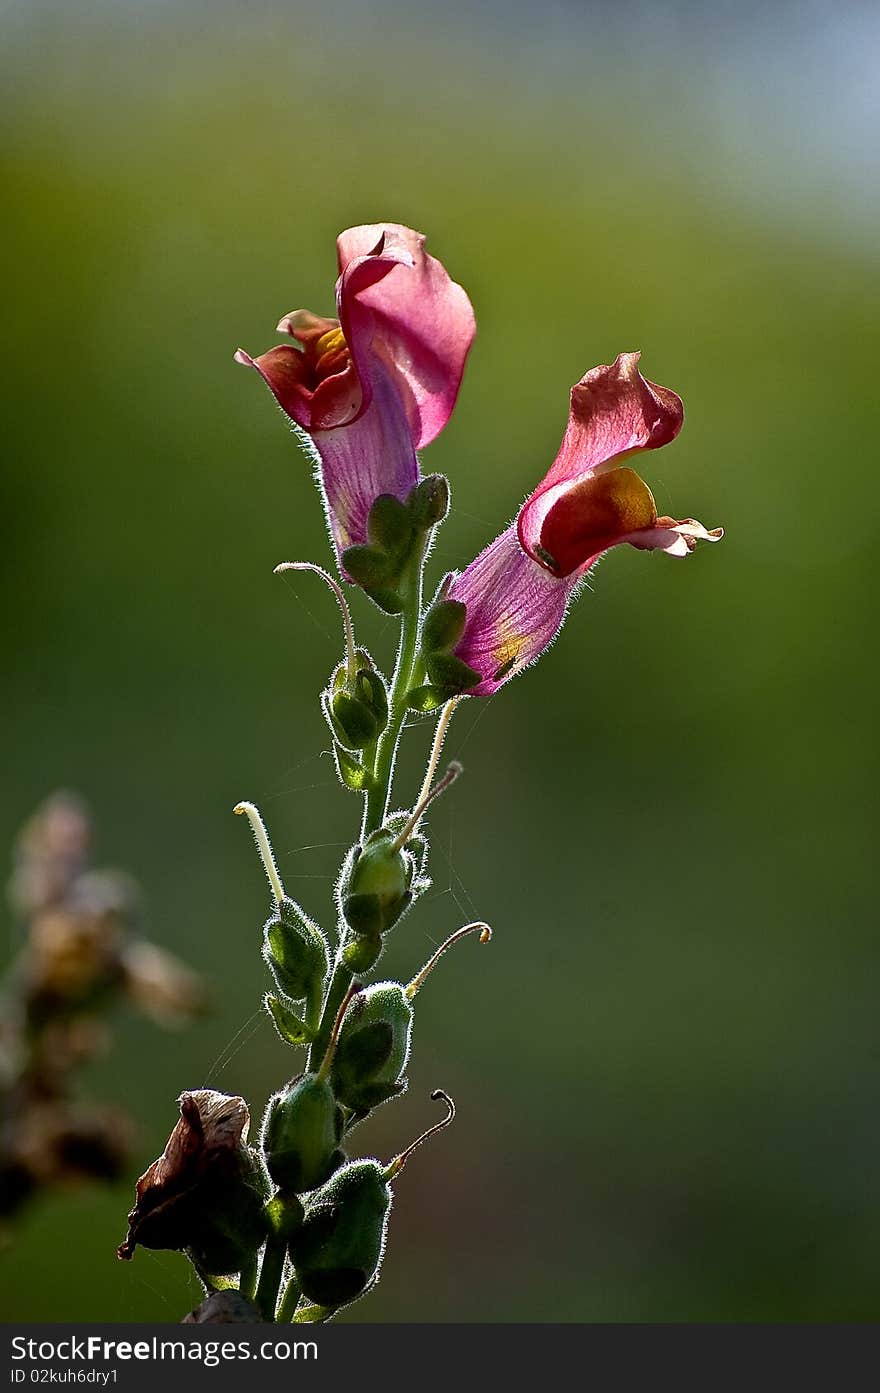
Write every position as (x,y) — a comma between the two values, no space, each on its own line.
(289,1301)
(270,1274)
(247,1277)
(376,804)
(339,984)
(386,751)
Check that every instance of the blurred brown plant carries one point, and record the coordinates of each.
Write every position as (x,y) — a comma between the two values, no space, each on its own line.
(79,953)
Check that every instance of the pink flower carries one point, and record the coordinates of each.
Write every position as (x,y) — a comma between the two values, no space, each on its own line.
(516,593)
(380,381)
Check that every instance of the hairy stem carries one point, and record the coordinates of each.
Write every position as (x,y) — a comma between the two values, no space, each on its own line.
(386,751)
(289,1301)
(270,1275)
(376,804)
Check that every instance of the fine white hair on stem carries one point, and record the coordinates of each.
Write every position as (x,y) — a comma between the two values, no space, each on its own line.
(264,846)
(350,653)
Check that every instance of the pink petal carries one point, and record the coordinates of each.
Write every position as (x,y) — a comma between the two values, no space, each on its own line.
(399,304)
(372,455)
(614,412)
(515,609)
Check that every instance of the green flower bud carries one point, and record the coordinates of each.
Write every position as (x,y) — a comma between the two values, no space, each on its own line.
(352,721)
(429,501)
(356,706)
(295,950)
(377,574)
(337,1250)
(373,1047)
(375,889)
(350,770)
(301,1133)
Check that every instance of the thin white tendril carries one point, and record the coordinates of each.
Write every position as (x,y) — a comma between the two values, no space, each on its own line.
(418,981)
(264,846)
(350,653)
(434,758)
(396,1166)
(425,800)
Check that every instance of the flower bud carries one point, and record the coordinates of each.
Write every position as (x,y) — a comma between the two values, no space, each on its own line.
(337,1250)
(429,501)
(373,1047)
(206,1191)
(376,888)
(356,706)
(301,1134)
(295,950)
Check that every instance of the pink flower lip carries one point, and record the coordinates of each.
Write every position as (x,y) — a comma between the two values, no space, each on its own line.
(517,591)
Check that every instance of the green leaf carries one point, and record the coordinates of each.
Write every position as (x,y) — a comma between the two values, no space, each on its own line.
(351,771)
(369,567)
(443,626)
(426,699)
(389,524)
(292,1030)
(445,670)
(355,720)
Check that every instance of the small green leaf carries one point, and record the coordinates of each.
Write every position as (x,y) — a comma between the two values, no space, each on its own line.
(426,699)
(443,626)
(355,720)
(389,524)
(351,771)
(445,670)
(292,1030)
(369,567)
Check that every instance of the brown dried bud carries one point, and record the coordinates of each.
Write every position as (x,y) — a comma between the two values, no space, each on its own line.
(206,1191)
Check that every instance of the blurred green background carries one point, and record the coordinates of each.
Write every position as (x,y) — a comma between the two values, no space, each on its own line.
(666,1064)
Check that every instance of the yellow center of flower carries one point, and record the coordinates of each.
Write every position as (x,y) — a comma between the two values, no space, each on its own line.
(330,354)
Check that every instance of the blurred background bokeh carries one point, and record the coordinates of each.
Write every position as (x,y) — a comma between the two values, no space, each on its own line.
(666,1064)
